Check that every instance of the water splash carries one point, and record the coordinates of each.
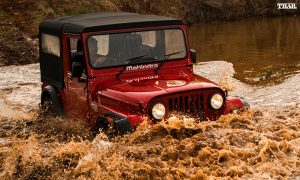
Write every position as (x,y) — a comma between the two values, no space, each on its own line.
(256,144)
(251,145)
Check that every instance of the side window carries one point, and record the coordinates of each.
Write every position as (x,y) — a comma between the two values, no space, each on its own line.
(50,44)
(75,49)
(174,43)
(73,45)
(77,63)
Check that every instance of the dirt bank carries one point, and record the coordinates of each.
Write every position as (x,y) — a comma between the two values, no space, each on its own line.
(19,19)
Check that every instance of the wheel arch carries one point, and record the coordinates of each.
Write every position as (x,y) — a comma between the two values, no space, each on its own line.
(236,103)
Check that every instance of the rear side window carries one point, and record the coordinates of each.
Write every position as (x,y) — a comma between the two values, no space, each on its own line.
(73,44)
(50,44)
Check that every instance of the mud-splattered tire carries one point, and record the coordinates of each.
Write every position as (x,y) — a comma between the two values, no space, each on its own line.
(48,107)
(109,129)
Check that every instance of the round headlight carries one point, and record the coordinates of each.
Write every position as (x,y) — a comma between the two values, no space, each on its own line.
(216,101)
(158,111)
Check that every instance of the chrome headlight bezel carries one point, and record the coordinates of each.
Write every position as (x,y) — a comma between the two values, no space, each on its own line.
(158,110)
(216,101)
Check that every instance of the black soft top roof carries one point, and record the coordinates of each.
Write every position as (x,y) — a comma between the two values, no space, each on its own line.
(103,21)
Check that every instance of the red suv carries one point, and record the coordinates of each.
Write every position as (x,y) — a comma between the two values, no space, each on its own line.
(120,68)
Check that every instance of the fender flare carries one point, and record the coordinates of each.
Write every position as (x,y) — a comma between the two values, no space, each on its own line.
(235,103)
(50,90)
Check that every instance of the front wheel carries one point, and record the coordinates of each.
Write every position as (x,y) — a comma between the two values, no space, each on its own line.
(107,128)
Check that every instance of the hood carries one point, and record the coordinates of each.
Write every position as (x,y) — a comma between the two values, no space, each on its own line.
(143,89)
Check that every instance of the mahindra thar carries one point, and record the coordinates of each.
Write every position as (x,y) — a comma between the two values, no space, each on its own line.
(118,69)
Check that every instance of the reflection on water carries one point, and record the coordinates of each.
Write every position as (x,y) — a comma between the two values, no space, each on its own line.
(263,51)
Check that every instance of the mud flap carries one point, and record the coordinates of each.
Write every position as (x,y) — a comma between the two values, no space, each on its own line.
(236,104)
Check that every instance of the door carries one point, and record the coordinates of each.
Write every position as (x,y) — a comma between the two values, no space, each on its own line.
(76,85)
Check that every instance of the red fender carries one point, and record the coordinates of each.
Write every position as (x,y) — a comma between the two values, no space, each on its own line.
(235,103)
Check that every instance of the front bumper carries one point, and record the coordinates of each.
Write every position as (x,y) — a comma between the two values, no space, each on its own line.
(128,122)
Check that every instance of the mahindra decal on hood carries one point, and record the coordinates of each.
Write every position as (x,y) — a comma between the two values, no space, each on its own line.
(141,67)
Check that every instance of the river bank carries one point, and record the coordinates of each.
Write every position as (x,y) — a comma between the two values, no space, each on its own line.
(19,20)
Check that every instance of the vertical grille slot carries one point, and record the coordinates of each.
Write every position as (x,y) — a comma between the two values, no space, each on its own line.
(181,105)
(191,99)
(197,103)
(171,104)
(201,113)
(176,104)
(188,104)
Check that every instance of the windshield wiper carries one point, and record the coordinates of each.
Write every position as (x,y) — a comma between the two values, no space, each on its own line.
(121,72)
(167,56)
(131,60)
(128,62)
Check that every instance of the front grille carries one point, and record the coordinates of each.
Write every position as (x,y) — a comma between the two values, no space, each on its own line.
(188,104)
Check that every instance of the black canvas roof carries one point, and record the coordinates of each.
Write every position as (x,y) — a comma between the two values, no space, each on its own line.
(103,21)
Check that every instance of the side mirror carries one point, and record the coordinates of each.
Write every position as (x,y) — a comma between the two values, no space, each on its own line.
(77,69)
(193,55)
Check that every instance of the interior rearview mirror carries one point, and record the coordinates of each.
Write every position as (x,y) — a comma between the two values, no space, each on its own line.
(193,55)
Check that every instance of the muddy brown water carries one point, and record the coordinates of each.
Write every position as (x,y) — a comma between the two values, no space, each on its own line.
(263,51)
(263,143)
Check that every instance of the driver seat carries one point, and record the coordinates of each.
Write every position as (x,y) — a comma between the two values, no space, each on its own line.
(136,45)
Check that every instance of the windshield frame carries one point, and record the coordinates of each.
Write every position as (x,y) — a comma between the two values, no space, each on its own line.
(136,30)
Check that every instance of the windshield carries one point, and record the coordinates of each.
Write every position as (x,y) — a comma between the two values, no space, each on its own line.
(136,47)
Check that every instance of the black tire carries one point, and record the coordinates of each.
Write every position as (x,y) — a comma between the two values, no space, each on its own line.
(107,128)
(48,107)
